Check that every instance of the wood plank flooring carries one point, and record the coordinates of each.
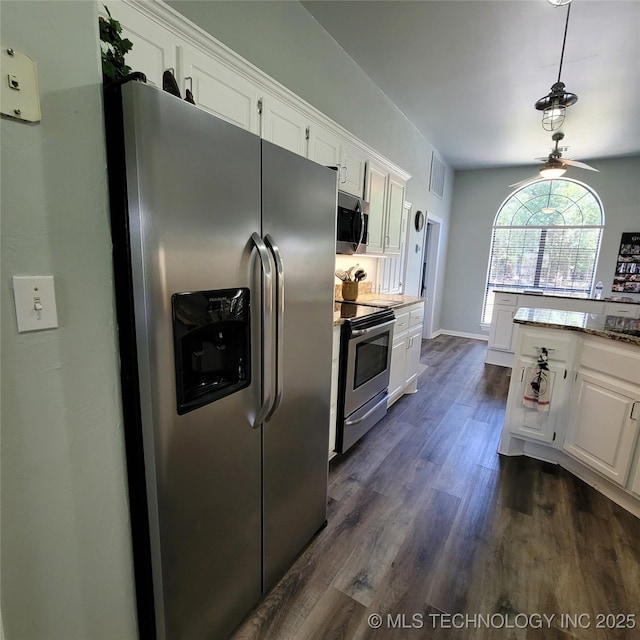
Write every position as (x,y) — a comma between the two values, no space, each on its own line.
(425,519)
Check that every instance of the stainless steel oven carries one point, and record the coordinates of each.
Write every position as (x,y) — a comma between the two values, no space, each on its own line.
(365,357)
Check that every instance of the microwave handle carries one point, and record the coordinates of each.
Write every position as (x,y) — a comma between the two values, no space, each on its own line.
(361,230)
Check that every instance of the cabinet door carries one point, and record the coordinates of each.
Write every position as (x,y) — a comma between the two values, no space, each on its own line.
(635,483)
(154,48)
(602,432)
(535,424)
(283,125)
(376,196)
(219,90)
(501,332)
(412,365)
(324,146)
(395,209)
(398,367)
(354,164)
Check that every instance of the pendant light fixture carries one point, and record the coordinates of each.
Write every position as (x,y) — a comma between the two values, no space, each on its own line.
(555,103)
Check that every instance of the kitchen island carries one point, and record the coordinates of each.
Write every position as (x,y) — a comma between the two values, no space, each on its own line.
(583,409)
(502,332)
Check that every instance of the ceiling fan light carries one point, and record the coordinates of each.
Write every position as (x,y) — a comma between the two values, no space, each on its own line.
(547,210)
(553,171)
(558,3)
(553,117)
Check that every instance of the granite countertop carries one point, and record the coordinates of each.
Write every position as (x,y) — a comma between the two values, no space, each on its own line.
(606,326)
(381,300)
(385,300)
(616,299)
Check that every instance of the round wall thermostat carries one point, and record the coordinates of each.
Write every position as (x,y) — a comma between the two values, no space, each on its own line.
(419,220)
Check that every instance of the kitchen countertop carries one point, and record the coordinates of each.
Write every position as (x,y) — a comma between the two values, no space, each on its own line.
(616,299)
(381,300)
(606,326)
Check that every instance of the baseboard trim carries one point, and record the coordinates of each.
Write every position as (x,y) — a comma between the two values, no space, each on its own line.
(464,334)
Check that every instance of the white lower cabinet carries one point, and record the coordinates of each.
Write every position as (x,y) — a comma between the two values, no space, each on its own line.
(635,483)
(534,423)
(593,424)
(603,427)
(335,369)
(405,352)
(502,328)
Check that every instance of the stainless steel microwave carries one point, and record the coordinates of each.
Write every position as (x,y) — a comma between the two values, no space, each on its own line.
(352,232)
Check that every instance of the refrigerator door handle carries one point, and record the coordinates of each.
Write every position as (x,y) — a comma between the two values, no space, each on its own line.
(279,306)
(267,331)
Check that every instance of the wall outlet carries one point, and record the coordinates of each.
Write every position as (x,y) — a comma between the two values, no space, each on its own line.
(35,303)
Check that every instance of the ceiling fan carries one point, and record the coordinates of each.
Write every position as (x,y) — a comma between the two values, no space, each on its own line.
(554,164)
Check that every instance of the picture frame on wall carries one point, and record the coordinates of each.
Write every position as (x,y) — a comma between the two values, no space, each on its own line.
(627,276)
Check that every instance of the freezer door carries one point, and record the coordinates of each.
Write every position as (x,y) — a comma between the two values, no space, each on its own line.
(299,216)
(193,204)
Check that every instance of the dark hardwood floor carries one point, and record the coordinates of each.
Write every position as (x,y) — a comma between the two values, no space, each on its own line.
(427,521)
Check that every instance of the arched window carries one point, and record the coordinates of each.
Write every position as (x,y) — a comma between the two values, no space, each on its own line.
(546,239)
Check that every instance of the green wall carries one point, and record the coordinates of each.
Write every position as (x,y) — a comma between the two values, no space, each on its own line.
(66,550)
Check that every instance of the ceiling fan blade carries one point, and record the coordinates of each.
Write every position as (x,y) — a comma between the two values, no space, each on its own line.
(525,181)
(543,159)
(577,163)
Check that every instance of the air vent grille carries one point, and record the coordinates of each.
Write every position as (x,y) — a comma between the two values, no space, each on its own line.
(438,172)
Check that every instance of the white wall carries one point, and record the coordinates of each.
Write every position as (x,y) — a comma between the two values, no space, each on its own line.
(286,42)
(66,550)
(476,199)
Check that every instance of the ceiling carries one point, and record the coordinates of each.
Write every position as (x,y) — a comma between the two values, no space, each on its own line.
(467,73)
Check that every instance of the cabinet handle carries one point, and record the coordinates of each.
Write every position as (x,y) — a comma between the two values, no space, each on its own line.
(633,410)
(541,348)
(190,79)
(343,170)
(521,374)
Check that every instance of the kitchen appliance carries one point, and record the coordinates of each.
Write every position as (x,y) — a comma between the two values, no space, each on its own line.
(225,325)
(365,358)
(352,233)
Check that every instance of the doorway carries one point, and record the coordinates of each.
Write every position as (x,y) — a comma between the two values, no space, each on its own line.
(429,279)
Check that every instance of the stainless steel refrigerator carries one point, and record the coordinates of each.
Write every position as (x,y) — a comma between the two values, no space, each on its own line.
(224,257)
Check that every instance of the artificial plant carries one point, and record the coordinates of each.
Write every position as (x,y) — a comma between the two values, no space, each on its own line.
(113,64)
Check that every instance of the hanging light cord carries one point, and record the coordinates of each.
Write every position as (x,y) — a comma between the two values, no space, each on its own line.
(564,40)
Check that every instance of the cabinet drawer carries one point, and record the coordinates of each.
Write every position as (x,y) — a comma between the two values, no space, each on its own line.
(623,310)
(416,316)
(402,323)
(608,358)
(559,347)
(507,299)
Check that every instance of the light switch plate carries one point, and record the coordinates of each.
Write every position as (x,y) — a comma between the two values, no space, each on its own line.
(19,95)
(35,303)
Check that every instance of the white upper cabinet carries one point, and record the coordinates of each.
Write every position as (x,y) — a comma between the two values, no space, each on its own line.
(283,125)
(376,196)
(352,173)
(324,146)
(395,204)
(220,90)
(385,193)
(154,47)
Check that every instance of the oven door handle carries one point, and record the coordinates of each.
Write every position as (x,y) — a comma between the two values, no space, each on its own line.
(350,423)
(356,333)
